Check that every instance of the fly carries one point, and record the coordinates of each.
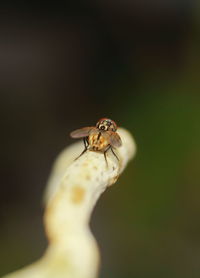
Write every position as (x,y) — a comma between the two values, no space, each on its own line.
(101,138)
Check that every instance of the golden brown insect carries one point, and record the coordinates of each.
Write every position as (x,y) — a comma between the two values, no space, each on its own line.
(100,138)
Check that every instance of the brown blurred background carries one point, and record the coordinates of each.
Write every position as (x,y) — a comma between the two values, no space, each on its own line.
(63,66)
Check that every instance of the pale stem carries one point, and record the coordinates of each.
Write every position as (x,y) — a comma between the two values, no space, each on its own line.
(72,192)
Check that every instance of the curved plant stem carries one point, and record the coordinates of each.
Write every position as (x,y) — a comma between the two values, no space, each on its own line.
(72,192)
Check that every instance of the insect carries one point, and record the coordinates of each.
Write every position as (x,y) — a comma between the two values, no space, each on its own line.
(102,137)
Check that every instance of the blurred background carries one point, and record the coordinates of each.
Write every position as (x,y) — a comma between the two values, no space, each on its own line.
(64,66)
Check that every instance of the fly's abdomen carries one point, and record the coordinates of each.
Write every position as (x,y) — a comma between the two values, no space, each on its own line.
(97,142)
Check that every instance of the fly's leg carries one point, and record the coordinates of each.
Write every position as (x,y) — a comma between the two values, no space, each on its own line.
(105,155)
(114,153)
(85,142)
(109,147)
(86,147)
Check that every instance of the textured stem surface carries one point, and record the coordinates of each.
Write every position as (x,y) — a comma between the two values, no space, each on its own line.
(72,192)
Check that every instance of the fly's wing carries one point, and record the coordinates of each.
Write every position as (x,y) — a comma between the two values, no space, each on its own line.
(82,132)
(115,140)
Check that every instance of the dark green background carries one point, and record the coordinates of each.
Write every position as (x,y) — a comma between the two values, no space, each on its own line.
(66,66)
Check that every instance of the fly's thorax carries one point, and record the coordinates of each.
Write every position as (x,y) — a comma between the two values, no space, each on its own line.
(97,141)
